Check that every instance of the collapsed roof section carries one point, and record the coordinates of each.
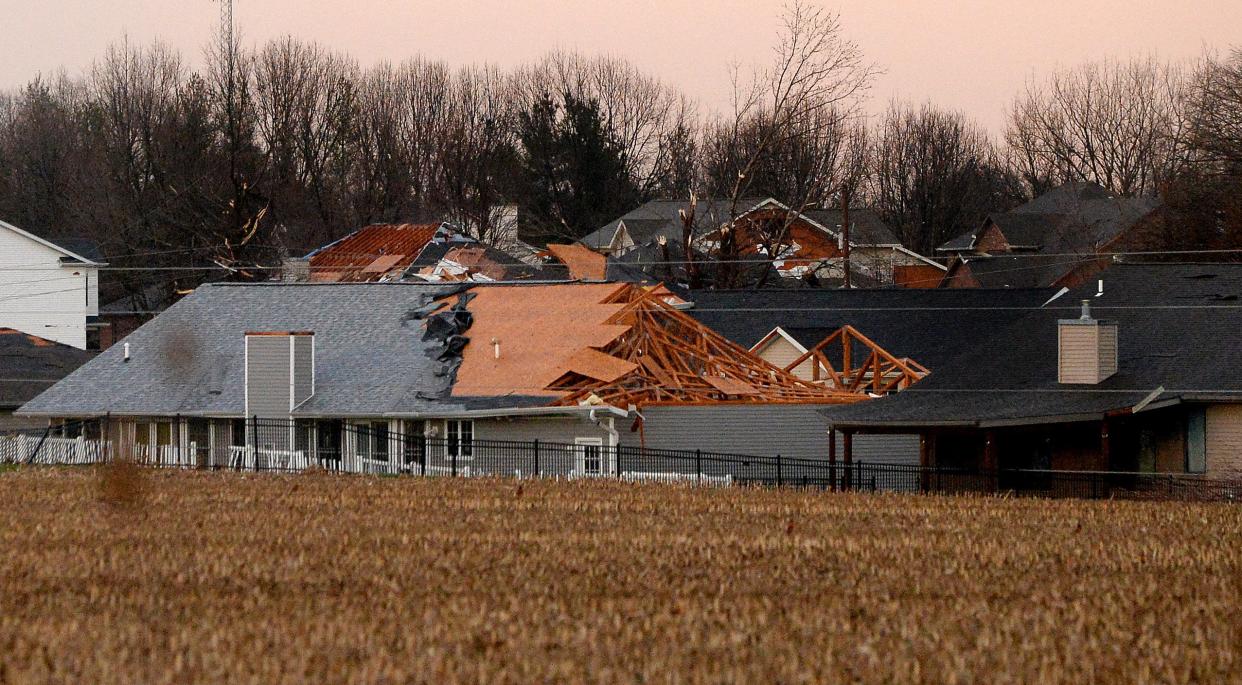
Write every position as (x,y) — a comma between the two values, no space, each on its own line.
(612,344)
(380,252)
(849,360)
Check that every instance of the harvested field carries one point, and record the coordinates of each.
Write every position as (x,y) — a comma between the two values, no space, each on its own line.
(180,577)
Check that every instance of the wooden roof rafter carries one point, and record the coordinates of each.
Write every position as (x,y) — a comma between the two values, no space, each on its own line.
(833,364)
(678,360)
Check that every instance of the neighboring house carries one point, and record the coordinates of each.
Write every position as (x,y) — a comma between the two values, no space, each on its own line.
(28,366)
(1057,239)
(580,363)
(805,247)
(46,290)
(1141,379)
(383,253)
(661,219)
(930,327)
(375,253)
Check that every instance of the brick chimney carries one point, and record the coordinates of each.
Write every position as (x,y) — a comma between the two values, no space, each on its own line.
(1086,349)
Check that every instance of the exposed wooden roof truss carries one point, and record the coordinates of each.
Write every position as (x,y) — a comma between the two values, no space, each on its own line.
(677,360)
(848,360)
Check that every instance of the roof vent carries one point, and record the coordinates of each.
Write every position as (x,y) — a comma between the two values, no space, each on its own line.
(1086,349)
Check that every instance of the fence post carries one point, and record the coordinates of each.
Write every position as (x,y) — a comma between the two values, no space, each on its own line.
(252,441)
(778,471)
(39,446)
(536,447)
(454,449)
(698,465)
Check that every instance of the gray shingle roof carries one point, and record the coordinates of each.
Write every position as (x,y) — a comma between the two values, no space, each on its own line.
(1009,372)
(370,358)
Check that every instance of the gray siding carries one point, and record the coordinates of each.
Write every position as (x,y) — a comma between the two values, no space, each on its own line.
(303,368)
(267,376)
(789,430)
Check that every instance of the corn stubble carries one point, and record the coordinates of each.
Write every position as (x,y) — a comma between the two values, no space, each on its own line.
(269,579)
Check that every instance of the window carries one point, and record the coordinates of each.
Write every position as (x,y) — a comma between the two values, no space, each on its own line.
(372,437)
(459,439)
(1196,441)
(589,456)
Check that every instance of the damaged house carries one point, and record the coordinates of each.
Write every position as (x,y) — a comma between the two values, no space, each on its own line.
(400,377)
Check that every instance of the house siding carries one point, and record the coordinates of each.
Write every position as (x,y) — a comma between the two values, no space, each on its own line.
(1224,441)
(781,353)
(44,297)
(267,376)
(1078,358)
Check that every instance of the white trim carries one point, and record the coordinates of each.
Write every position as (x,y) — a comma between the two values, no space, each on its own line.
(246,377)
(292,373)
(54,246)
(772,335)
(580,457)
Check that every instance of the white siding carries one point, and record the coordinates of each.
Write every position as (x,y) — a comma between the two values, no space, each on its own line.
(1078,353)
(1224,441)
(781,353)
(41,297)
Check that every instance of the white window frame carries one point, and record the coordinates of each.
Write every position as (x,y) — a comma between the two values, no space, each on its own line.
(580,457)
(450,442)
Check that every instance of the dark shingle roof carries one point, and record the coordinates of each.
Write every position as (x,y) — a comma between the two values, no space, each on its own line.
(370,357)
(1075,217)
(30,364)
(929,326)
(1178,324)
(661,218)
(867,228)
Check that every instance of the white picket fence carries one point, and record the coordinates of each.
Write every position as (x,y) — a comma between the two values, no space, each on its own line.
(16,449)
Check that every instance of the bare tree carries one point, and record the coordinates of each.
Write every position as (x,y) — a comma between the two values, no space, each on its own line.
(642,113)
(1122,125)
(789,121)
(935,175)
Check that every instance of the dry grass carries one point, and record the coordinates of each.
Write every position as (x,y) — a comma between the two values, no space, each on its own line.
(228,578)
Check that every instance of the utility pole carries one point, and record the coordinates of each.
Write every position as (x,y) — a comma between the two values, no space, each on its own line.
(845,236)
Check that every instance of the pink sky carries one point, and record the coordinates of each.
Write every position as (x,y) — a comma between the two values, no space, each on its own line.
(970,55)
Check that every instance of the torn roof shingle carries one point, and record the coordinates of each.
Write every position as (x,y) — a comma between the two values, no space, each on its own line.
(370,356)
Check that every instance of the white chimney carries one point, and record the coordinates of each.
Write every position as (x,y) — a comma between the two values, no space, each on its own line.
(1086,349)
(280,372)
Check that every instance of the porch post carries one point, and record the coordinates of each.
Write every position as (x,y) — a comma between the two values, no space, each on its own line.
(832,458)
(1105,447)
(848,446)
(991,465)
(924,463)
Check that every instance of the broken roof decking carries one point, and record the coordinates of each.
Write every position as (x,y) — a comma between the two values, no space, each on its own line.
(538,328)
(581,262)
(371,253)
(618,345)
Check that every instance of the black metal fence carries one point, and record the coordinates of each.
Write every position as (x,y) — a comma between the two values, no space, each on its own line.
(376,448)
